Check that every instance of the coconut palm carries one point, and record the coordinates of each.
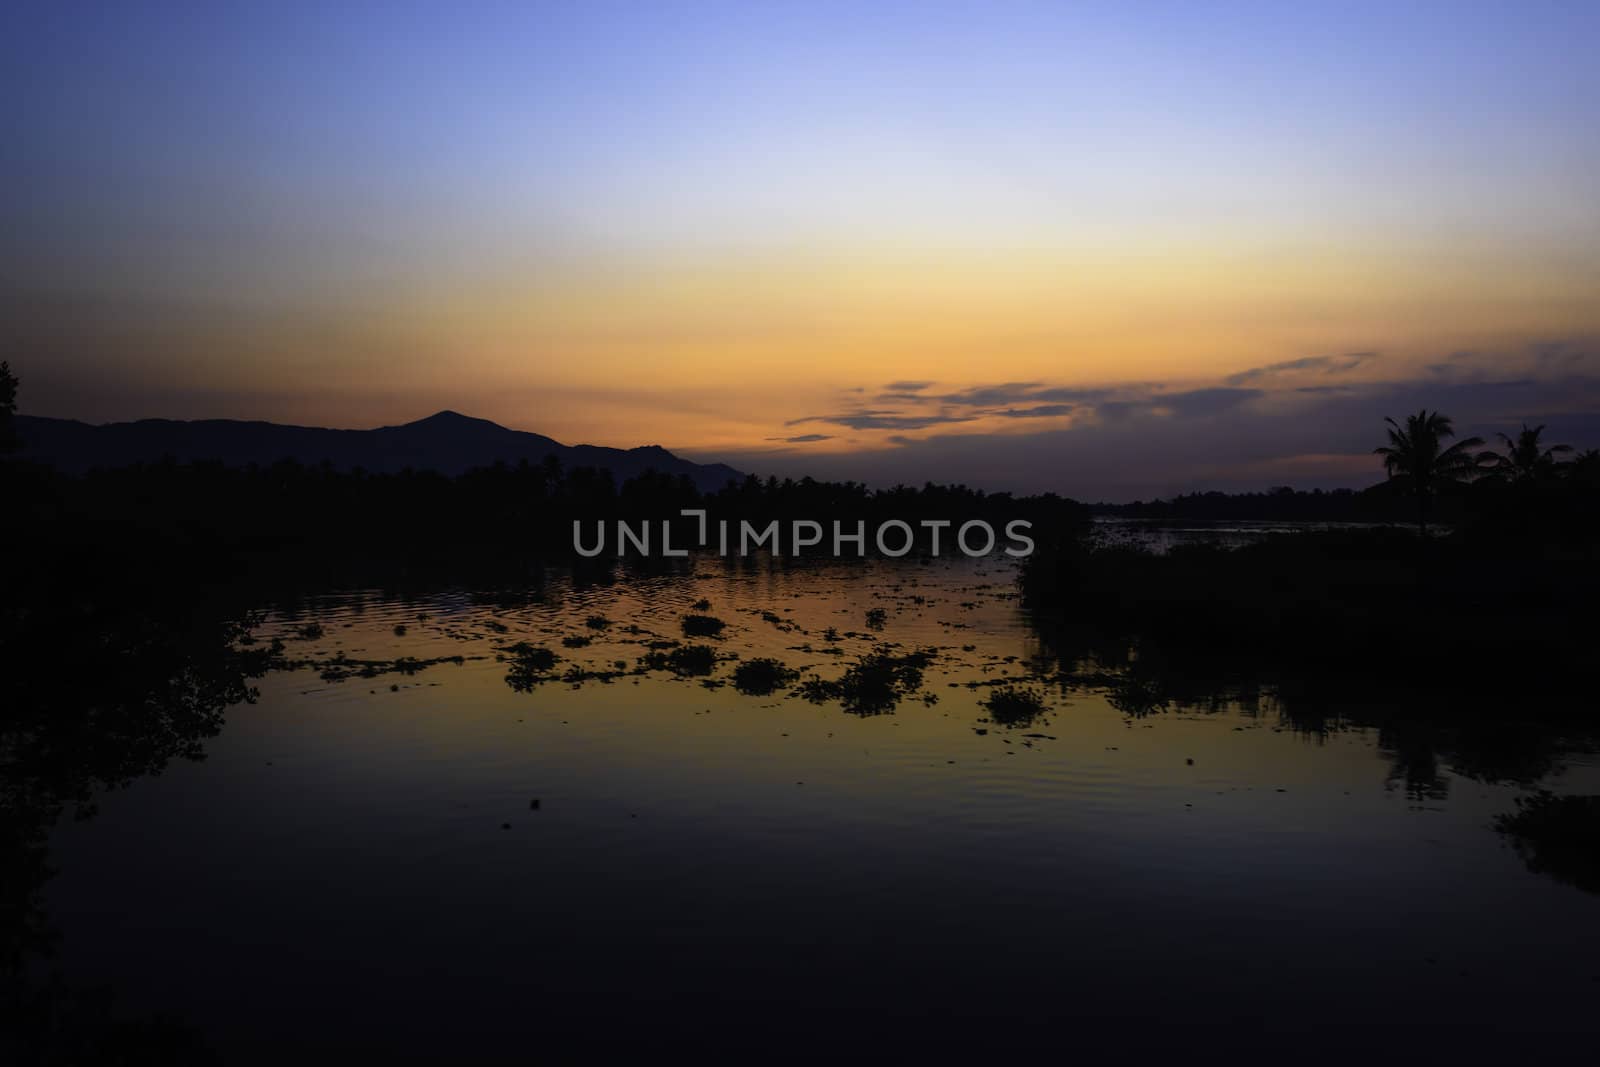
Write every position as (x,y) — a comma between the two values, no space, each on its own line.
(1416,457)
(1524,459)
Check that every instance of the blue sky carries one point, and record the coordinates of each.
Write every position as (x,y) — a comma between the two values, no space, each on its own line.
(206,204)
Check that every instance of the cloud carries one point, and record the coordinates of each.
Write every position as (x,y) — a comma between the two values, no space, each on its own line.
(992,395)
(803,439)
(980,402)
(1016,401)
(874,419)
(1321,364)
(906,387)
(1116,410)
(1012,393)
(1565,355)
(1198,403)
(1307,422)
(1572,357)
(1041,411)
(1212,438)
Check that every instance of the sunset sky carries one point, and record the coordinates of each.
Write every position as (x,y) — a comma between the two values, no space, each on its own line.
(1108,249)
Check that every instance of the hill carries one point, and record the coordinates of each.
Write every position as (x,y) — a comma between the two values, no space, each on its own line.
(447,442)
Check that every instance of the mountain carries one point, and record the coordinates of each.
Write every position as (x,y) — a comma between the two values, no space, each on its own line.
(447,442)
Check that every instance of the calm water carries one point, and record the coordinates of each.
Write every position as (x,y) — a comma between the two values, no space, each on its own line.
(1162,535)
(360,862)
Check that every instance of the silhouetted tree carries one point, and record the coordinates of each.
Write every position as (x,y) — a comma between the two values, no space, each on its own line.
(1584,470)
(1416,456)
(8,409)
(1523,459)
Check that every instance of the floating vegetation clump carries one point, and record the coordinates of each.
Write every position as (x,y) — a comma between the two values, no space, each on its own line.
(597,622)
(342,667)
(703,626)
(876,618)
(686,660)
(533,657)
(311,631)
(1013,707)
(576,676)
(1558,836)
(702,605)
(875,685)
(762,677)
(530,665)
(577,640)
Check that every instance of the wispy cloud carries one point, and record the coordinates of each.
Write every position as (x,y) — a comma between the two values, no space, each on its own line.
(883,420)
(1309,421)
(1009,394)
(1041,411)
(1294,431)
(1341,364)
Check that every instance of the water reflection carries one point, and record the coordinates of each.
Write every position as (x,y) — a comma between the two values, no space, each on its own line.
(1429,737)
(1558,836)
(612,773)
(100,695)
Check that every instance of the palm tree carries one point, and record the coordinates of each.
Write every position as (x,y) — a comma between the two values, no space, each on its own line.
(1414,456)
(1523,459)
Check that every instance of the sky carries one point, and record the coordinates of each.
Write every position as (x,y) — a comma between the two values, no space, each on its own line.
(1110,250)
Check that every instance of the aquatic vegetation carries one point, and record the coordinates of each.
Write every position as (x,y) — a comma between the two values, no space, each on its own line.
(311,631)
(686,660)
(762,676)
(1558,836)
(576,675)
(703,626)
(875,685)
(577,640)
(702,604)
(342,667)
(1015,706)
(530,665)
(597,622)
(876,618)
(533,657)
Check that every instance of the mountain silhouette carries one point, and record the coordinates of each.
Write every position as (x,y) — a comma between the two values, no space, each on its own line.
(448,442)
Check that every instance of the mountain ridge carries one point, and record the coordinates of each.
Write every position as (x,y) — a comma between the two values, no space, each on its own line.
(447,442)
